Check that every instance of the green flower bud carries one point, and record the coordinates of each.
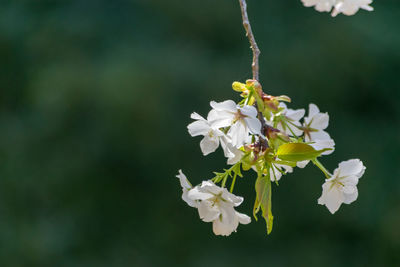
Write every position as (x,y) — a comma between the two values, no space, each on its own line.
(239,87)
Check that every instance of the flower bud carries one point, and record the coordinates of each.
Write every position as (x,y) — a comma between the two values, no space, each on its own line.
(256,85)
(239,87)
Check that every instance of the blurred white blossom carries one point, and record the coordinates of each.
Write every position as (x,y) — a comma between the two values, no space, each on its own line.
(320,5)
(347,7)
(350,7)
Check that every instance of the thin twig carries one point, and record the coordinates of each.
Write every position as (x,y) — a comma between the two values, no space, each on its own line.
(252,40)
(254,67)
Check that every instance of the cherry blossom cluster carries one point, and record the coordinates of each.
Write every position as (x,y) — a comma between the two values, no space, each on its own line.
(347,7)
(260,133)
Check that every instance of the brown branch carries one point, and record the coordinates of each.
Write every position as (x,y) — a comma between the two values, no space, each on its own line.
(263,143)
(252,40)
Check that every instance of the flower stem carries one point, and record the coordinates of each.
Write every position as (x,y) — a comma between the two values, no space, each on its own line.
(290,129)
(322,168)
(233,183)
(224,176)
(224,181)
(248,98)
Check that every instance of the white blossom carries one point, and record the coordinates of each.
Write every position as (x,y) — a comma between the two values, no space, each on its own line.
(212,136)
(314,125)
(347,7)
(216,205)
(288,120)
(186,186)
(242,120)
(320,5)
(350,7)
(342,186)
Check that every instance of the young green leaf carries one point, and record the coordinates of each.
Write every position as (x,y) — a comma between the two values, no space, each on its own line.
(298,152)
(263,200)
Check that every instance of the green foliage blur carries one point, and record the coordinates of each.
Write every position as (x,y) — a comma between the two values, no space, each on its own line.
(95,97)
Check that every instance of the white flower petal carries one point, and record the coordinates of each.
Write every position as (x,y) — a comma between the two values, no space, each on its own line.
(235,200)
(275,174)
(220,227)
(322,144)
(331,197)
(367,7)
(229,150)
(210,187)
(349,189)
(351,180)
(235,159)
(238,134)
(320,135)
(249,111)
(349,198)
(219,119)
(189,201)
(302,164)
(196,116)
(295,115)
(183,180)
(197,194)
(186,186)
(207,211)
(351,167)
(312,110)
(296,130)
(227,222)
(320,5)
(209,145)
(320,121)
(287,169)
(350,7)
(198,128)
(228,105)
(243,218)
(254,125)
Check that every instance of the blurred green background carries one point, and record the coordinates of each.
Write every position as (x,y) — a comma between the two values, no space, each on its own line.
(95,97)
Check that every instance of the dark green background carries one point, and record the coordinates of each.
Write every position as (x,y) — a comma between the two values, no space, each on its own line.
(95,97)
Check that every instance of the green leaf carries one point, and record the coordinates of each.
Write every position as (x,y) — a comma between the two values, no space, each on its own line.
(263,200)
(298,152)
